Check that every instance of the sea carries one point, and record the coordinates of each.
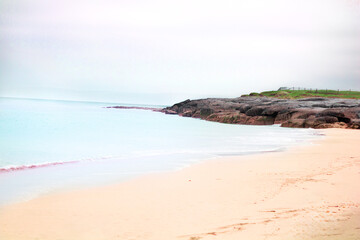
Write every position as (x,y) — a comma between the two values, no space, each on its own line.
(49,146)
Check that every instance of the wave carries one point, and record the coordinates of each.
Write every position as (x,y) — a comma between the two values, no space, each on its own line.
(32,166)
(197,154)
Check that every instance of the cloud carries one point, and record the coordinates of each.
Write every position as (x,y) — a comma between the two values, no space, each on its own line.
(184,48)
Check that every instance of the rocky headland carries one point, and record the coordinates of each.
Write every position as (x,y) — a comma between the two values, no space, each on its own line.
(300,113)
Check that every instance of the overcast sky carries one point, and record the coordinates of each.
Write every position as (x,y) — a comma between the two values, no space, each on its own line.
(162,51)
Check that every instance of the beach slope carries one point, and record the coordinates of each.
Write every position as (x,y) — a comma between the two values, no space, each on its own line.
(308,192)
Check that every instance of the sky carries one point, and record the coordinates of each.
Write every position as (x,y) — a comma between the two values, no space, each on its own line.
(162,52)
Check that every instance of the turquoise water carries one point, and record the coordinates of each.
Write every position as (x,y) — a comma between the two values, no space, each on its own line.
(102,145)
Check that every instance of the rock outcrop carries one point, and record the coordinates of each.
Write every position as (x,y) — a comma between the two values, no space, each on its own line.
(301,113)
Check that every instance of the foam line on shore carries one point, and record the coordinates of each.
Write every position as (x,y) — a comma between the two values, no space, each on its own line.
(32,166)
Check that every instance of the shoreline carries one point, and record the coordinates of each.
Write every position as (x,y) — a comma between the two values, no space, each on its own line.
(306,192)
(25,182)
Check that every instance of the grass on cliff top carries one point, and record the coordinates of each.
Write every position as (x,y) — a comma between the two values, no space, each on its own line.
(296,94)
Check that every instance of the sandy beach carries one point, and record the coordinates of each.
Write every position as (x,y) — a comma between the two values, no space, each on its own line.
(307,192)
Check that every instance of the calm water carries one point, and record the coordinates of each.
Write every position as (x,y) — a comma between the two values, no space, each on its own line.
(100,145)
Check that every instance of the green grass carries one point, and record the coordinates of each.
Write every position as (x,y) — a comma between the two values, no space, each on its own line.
(296,94)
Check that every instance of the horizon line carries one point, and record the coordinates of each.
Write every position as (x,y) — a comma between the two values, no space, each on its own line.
(67,100)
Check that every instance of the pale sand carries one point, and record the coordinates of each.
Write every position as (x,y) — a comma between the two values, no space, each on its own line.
(307,192)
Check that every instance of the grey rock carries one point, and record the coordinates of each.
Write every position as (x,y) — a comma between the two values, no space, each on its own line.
(308,112)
